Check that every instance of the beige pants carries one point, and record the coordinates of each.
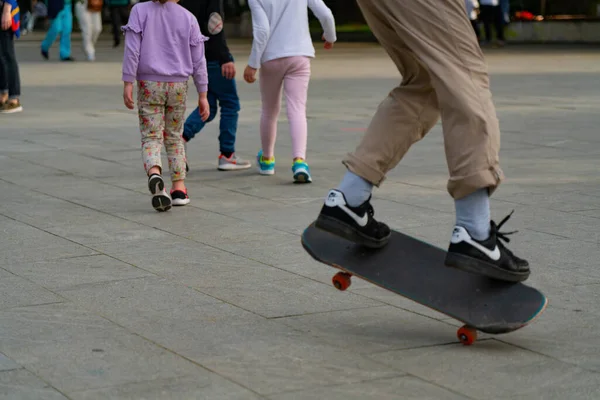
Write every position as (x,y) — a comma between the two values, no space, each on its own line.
(444,74)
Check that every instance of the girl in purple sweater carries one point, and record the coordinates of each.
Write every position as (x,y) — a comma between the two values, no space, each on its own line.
(171,52)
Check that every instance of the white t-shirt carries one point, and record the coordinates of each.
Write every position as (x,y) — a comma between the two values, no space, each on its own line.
(280,28)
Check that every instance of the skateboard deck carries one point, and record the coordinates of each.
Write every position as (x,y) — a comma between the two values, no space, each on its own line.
(416,270)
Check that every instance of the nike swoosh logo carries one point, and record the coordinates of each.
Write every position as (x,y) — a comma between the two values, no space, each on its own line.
(492,254)
(361,221)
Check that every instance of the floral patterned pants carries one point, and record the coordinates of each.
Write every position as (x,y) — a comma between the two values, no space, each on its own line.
(161,110)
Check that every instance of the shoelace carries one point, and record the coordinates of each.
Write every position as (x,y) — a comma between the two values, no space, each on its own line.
(504,235)
(371,211)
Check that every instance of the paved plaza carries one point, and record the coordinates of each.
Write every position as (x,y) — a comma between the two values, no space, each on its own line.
(101,297)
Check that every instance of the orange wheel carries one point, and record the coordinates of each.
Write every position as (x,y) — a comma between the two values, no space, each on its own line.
(341,280)
(466,335)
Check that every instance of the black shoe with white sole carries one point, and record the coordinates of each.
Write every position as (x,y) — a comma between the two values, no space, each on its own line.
(488,257)
(180,197)
(356,224)
(160,199)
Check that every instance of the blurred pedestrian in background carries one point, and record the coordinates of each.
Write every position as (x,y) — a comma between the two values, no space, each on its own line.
(10,82)
(61,14)
(119,12)
(89,15)
(491,15)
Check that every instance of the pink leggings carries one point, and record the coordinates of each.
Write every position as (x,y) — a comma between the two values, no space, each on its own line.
(293,73)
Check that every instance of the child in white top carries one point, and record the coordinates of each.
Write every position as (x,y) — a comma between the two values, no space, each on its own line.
(282,48)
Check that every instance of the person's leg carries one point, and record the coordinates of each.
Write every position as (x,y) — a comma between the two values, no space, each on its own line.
(13,79)
(226,92)
(123,16)
(487,18)
(50,38)
(229,104)
(471,131)
(295,88)
(475,25)
(4,38)
(174,140)
(271,76)
(499,24)
(65,35)
(194,124)
(84,21)
(402,118)
(151,99)
(96,26)
(115,19)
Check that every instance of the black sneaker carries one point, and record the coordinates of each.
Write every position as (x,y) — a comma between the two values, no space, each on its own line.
(352,223)
(180,197)
(488,257)
(160,200)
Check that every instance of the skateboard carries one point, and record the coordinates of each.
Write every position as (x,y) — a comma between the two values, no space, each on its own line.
(416,270)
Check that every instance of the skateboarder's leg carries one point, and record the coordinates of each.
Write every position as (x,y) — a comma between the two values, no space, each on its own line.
(403,118)
(439,35)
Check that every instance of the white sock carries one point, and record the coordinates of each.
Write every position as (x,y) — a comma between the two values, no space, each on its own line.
(473,214)
(355,189)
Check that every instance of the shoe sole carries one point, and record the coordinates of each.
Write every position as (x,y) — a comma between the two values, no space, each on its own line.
(266,171)
(347,232)
(302,177)
(12,111)
(481,267)
(233,167)
(180,202)
(160,200)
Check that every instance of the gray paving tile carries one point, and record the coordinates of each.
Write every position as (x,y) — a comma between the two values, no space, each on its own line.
(567,334)
(23,385)
(398,387)
(21,243)
(65,160)
(196,265)
(556,391)
(203,387)
(289,296)
(74,350)
(135,295)
(488,369)
(108,230)
(61,274)
(278,363)
(18,292)
(205,330)
(6,364)
(374,329)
